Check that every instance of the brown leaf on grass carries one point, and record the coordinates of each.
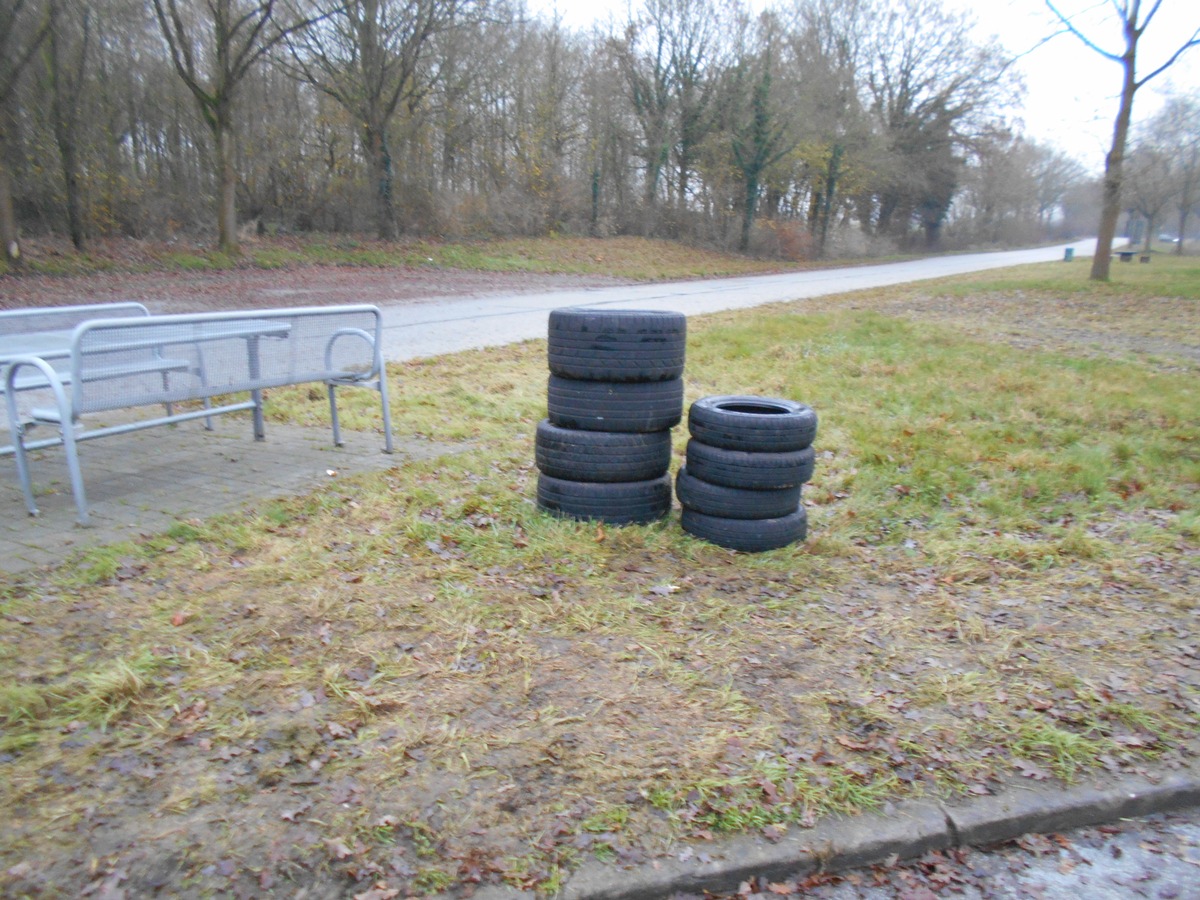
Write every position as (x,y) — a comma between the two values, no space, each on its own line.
(292,814)
(851,744)
(783,888)
(1031,770)
(338,849)
(379,892)
(600,534)
(338,731)
(180,618)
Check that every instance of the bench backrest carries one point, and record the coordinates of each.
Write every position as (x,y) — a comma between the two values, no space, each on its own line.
(118,363)
(63,318)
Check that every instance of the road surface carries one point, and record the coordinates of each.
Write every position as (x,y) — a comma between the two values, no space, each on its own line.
(434,327)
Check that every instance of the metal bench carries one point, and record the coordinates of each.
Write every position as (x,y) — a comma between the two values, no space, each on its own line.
(203,363)
(44,332)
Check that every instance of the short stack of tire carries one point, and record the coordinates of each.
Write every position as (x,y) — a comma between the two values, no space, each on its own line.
(615,391)
(746,461)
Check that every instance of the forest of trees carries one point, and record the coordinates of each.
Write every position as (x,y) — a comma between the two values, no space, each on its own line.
(816,128)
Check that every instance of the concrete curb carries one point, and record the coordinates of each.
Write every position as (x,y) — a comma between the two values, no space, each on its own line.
(906,831)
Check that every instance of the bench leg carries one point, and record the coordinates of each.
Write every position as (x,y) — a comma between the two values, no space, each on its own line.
(68,435)
(333,416)
(387,411)
(18,448)
(260,430)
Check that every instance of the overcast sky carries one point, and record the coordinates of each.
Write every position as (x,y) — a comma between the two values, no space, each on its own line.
(1071,96)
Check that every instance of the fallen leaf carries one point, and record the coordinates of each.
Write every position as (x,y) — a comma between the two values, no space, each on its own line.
(851,744)
(291,815)
(774,833)
(180,618)
(1031,770)
(380,892)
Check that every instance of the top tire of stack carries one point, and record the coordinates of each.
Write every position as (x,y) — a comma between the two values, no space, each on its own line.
(629,345)
(754,424)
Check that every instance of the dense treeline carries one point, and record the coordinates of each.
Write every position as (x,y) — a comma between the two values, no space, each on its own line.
(818,127)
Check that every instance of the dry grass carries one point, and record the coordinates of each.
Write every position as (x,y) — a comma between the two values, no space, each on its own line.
(416,679)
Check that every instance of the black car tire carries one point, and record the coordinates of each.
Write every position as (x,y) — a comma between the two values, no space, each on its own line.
(734,503)
(760,424)
(616,503)
(749,470)
(614,406)
(748,535)
(617,345)
(601,456)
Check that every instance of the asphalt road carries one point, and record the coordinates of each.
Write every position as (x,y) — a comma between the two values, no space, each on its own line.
(1157,857)
(434,327)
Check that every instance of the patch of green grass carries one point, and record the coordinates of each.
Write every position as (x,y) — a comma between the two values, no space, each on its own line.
(1165,276)
(1066,752)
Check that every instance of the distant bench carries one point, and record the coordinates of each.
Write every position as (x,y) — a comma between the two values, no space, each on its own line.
(136,361)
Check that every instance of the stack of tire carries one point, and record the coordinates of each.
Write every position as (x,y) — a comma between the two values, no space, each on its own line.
(746,461)
(615,391)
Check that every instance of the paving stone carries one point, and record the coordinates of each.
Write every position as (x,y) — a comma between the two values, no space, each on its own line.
(142,482)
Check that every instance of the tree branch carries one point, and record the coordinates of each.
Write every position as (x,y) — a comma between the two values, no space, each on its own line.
(1192,42)
(1070,26)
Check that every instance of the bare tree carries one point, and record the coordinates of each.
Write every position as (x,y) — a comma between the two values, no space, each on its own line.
(1133,25)
(66,70)
(368,55)
(1176,131)
(24,25)
(1151,183)
(1055,174)
(214,46)
(762,135)
(827,46)
(932,90)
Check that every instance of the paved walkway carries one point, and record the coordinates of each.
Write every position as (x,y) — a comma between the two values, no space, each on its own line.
(143,482)
(424,329)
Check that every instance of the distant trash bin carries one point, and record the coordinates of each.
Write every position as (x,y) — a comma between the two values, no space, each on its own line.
(1068,254)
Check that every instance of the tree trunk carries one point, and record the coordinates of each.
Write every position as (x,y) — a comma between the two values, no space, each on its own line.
(8,220)
(749,211)
(1111,209)
(66,149)
(832,175)
(594,228)
(381,171)
(227,236)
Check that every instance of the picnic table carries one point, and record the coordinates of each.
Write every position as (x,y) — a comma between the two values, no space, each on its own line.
(201,360)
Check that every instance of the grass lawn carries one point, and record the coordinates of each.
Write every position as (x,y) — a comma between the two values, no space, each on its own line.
(416,680)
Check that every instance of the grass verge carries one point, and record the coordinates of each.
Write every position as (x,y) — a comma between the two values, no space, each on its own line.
(414,680)
(632,258)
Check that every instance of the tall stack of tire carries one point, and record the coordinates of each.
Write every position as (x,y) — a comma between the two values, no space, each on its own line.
(746,462)
(614,393)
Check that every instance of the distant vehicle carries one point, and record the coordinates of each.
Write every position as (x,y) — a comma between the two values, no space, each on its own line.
(1168,239)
